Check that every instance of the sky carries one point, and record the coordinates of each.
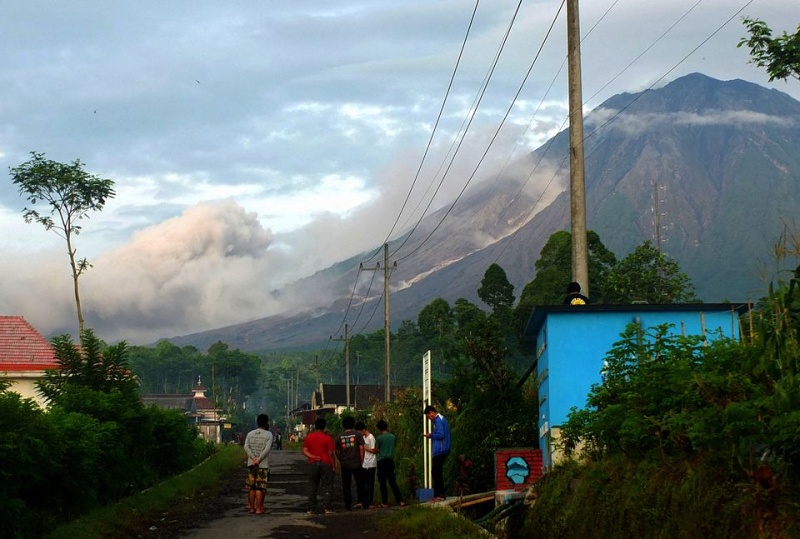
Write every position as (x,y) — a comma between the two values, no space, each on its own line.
(254,143)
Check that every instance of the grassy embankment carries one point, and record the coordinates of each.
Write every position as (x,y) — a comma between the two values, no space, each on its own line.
(175,497)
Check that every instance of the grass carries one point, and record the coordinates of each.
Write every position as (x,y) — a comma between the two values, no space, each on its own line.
(176,496)
(420,522)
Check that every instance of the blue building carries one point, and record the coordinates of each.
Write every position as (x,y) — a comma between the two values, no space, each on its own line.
(571,343)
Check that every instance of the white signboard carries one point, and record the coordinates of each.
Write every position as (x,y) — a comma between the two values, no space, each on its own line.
(426,424)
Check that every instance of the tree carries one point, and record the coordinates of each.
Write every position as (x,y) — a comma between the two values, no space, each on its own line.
(554,272)
(495,290)
(648,276)
(90,365)
(780,55)
(70,193)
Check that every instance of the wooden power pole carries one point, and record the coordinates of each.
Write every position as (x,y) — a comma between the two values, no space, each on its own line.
(346,340)
(386,326)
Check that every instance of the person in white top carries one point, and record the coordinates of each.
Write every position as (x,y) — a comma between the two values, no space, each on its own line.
(257,445)
(370,464)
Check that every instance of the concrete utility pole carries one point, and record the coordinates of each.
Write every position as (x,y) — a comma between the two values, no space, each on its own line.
(346,340)
(577,180)
(386,329)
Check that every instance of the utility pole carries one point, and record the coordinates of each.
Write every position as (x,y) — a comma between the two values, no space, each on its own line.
(577,180)
(346,340)
(386,329)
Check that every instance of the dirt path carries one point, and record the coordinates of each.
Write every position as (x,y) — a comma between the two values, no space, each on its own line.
(226,516)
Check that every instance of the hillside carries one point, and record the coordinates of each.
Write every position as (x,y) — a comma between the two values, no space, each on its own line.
(709,169)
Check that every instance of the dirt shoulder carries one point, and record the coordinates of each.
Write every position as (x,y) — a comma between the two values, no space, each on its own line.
(224,515)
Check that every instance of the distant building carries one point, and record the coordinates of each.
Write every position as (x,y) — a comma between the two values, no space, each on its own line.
(198,409)
(24,356)
(334,397)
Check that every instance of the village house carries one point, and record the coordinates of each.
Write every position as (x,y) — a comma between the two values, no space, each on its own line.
(199,410)
(24,356)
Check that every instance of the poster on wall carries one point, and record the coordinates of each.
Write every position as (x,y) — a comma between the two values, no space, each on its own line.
(517,469)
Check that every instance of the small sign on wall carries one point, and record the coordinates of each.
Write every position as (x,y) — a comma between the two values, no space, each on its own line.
(517,469)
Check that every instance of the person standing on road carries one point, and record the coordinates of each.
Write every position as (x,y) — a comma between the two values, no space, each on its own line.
(385,445)
(318,448)
(257,445)
(350,451)
(369,465)
(441,449)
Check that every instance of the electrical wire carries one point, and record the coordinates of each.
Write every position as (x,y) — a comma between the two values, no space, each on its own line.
(494,136)
(435,126)
(471,117)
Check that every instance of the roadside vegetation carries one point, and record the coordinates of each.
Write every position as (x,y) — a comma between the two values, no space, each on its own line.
(172,499)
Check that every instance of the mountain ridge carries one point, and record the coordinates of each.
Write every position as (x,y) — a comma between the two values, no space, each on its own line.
(704,152)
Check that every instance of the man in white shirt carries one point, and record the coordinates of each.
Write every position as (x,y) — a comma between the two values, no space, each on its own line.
(370,464)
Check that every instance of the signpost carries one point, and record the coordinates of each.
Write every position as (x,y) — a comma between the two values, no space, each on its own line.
(426,428)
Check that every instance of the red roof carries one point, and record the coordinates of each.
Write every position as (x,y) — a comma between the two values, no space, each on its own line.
(22,348)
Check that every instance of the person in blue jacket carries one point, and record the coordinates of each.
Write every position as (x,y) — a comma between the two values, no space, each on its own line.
(441,449)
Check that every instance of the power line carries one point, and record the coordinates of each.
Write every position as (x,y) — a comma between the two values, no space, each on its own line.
(471,117)
(435,125)
(494,136)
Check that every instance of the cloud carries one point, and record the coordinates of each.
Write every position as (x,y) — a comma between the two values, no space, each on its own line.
(634,123)
(311,119)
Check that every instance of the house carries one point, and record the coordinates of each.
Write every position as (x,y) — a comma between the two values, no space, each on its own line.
(198,409)
(571,343)
(334,396)
(24,356)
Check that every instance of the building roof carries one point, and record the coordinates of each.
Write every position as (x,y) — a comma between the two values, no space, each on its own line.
(539,313)
(22,348)
(363,395)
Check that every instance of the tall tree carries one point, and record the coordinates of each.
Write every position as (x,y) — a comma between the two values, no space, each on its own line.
(71,194)
(780,55)
(495,290)
(554,271)
(649,276)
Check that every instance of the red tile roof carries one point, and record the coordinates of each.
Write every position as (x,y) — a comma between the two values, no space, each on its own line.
(22,348)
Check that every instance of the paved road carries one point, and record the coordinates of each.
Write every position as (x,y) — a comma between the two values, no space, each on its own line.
(286,509)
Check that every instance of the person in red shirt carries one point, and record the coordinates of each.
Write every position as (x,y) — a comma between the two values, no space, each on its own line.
(318,448)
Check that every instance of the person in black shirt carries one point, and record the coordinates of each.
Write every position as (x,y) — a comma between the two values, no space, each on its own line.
(574,296)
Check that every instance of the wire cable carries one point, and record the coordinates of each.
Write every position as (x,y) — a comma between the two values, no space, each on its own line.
(435,126)
(494,136)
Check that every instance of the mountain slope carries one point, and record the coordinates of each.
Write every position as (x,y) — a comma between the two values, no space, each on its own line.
(709,169)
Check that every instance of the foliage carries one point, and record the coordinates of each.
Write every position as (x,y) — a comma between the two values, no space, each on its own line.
(70,194)
(780,55)
(232,376)
(404,417)
(95,444)
(428,523)
(176,497)
(666,395)
(724,414)
(88,366)
(648,276)
(23,454)
(495,290)
(554,270)
(620,498)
